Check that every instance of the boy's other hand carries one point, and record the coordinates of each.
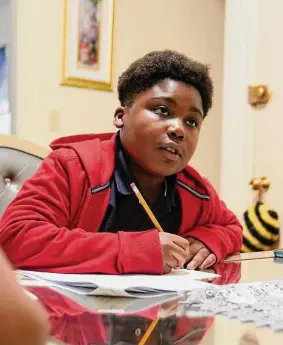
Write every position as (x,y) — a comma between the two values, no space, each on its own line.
(199,256)
(175,251)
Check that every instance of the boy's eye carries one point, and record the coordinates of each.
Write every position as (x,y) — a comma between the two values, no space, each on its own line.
(161,110)
(193,123)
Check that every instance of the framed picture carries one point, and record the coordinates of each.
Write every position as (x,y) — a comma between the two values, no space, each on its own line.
(5,112)
(88,44)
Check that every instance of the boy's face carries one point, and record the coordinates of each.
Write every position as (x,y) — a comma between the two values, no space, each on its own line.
(160,130)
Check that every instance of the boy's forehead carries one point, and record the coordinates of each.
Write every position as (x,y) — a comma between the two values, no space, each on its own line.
(172,90)
(167,85)
(168,88)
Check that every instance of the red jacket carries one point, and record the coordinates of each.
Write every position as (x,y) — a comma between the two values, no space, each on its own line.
(53,223)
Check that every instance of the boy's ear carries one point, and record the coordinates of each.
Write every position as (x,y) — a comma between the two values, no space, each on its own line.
(118,120)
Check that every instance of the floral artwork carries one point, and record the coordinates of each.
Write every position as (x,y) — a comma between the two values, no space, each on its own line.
(87,55)
(89,26)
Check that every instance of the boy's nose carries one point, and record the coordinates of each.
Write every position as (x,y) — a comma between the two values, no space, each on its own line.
(176,131)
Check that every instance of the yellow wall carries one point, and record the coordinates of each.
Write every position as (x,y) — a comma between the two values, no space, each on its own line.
(193,27)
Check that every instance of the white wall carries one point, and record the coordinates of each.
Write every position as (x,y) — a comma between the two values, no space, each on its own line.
(193,27)
(268,158)
(237,146)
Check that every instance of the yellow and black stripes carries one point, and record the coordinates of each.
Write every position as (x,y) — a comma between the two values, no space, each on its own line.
(261,229)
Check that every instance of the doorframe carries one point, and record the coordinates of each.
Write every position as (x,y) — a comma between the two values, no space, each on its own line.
(238,122)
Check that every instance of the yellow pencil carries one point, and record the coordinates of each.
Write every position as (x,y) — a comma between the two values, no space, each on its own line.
(146,207)
(159,228)
(148,332)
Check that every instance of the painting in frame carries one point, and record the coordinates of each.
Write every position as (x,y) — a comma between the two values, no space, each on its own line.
(88,44)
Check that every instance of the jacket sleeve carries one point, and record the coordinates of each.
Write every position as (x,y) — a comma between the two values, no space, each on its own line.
(219,228)
(36,234)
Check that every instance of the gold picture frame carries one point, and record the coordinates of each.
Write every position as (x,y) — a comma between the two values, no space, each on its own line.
(88,44)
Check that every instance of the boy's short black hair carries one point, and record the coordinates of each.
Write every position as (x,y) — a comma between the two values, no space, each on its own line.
(153,67)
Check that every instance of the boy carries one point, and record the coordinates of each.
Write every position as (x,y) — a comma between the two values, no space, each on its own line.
(22,321)
(78,214)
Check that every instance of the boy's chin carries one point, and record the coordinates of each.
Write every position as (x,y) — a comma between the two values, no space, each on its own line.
(162,172)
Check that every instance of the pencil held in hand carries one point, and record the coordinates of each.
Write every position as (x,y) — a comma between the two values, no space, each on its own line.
(174,248)
(146,207)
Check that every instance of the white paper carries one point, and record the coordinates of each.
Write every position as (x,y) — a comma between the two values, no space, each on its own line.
(123,285)
(121,305)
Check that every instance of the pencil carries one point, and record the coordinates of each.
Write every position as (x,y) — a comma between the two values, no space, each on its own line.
(146,207)
(148,332)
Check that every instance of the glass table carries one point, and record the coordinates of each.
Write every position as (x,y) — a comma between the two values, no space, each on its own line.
(167,320)
(250,256)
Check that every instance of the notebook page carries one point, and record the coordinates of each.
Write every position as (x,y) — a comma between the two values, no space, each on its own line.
(162,283)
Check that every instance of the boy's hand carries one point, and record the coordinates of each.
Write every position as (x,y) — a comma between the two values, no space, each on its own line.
(175,251)
(199,256)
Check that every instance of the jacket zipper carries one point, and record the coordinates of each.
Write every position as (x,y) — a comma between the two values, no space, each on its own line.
(95,190)
(91,190)
(84,207)
(191,190)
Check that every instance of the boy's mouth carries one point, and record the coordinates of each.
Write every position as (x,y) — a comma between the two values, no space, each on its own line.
(170,153)
(172,148)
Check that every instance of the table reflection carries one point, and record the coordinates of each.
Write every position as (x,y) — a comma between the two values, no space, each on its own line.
(230,273)
(77,323)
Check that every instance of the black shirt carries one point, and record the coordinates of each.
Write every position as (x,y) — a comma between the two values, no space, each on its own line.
(126,213)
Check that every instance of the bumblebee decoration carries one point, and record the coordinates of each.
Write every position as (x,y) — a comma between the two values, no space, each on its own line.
(261,225)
